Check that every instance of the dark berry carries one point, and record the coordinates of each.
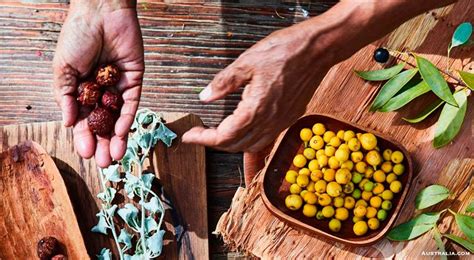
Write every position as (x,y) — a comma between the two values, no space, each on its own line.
(107,75)
(47,247)
(89,93)
(381,55)
(59,257)
(111,100)
(101,121)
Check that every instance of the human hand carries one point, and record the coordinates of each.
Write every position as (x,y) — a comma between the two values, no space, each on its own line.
(280,75)
(96,33)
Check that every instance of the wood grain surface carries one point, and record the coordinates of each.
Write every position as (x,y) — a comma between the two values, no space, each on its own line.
(173,165)
(345,96)
(35,204)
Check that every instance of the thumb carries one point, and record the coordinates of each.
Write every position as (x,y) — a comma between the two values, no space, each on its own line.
(225,82)
(64,88)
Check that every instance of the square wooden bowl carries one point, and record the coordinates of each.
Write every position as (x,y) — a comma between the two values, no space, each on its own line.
(274,188)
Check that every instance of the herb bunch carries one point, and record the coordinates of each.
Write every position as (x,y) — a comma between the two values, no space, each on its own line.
(403,86)
(425,222)
(143,220)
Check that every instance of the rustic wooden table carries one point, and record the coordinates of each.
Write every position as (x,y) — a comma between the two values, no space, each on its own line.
(186,44)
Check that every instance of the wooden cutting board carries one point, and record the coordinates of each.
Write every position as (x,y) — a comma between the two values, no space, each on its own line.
(181,169)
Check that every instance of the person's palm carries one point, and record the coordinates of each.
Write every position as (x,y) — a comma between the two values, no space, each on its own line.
(87,40)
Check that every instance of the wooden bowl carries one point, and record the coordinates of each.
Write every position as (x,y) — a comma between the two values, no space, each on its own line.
(274,188)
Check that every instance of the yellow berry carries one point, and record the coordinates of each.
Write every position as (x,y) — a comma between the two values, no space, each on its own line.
(347,165)
(379,176)
(366,195)
(397,157)
(319,153)
(295,189)
(386,205)
(360,228)
(357,219)
(386,167)
(368,141)
(361,202)
(309,153)
(361,167)
(338,202)
(348,188)
(391,177)
(343,176)
(360,211)
(341,155)
(322,160)
(304,171)
(310,198)
(316,175)
(333,189)
(293,202)
(357,157)
(335,141)
(373,158)
(335,225)
(341,214)
(320,186)
(316,142)
(387,154)
(349,202)
(319,129)
(328,211)
(369,172)
(340,134)
(329,175)
(302,180)
(398,169)
(378,189)
(371,212)
(324,199)
(291,176)
(299,161)
(306,134)
(344,147)
(329,150)
(375,202)
(387,195)
(333,162)
(373,223)
(354,144)
(328,135)
(313,165)
(396,186)
(309,210)
(303,193)
(348,135)
(310,187)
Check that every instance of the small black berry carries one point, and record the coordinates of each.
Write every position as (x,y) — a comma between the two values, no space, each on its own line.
(381,55)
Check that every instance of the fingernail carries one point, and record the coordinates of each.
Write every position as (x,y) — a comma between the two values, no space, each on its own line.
(205,94)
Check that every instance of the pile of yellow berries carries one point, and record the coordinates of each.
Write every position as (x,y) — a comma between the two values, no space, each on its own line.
(342,173)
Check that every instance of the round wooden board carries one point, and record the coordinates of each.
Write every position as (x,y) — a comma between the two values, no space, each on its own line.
(35,204)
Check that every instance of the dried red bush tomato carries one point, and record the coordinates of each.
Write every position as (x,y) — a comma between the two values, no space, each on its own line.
(47,247)
(89,93)
(59,257)
(111,100)
(107,75)
(101,122)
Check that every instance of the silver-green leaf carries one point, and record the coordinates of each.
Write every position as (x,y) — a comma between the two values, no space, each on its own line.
(391,87)
(379,75)
(426,112)
(430,196)
(101,226)
(450,120)
(466,225)
(468,79)
(405,97)
(461,35)
(155,242)
(125,238)
(461,241)
(415,227)
(435,80)
(104,254)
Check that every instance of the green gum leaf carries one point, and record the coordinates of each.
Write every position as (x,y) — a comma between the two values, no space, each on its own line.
(415,227)
(461,35)
(468,79)
(461,241)
(405,97)
(391,87)
(450,120)
(466,225)
(426,112)
(470,207)
(379,75)
(435,80)
(430,196)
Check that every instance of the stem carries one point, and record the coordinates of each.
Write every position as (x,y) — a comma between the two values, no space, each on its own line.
(108,218)
(142,225)
(452,212)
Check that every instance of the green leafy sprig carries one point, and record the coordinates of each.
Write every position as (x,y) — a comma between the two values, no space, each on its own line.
(425,222)
(143,222)
(403,86)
